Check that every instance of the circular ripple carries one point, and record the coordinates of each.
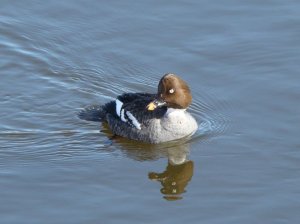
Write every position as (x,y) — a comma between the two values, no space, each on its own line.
(209,113)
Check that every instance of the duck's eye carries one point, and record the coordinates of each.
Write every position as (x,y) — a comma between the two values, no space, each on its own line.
(171,91)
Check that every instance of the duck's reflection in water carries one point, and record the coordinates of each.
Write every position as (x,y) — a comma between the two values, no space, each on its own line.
(179,170)
(177,174)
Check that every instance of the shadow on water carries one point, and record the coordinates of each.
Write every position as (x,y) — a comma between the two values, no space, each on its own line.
(179,169)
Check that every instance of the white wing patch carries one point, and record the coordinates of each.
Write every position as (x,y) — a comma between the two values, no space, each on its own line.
(119,105)
(133,120)
(121,113)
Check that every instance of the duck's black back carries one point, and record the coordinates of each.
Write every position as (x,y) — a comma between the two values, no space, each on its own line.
(135,103)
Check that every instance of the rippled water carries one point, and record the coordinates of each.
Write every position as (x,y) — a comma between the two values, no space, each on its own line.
(241,59)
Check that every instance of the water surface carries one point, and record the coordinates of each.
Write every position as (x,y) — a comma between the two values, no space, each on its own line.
(241,59)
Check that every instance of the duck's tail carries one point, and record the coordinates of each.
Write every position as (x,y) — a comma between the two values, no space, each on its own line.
(98,112)
(93,113)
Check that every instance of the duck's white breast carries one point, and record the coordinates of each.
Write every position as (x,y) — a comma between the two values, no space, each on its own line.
(174,125)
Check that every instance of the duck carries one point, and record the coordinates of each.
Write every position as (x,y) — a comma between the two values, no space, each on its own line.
(149,117)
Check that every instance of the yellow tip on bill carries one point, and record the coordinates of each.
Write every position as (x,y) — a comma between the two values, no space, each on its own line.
(151,106)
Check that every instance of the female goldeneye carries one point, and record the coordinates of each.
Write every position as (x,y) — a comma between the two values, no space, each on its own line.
(152,118)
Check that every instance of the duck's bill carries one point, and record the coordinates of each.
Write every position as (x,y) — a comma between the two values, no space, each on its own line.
(155,103)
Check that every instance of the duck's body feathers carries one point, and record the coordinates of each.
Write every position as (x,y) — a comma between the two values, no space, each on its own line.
(132,105)
(129,117)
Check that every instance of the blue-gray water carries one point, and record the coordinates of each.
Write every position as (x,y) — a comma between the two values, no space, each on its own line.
(241,59)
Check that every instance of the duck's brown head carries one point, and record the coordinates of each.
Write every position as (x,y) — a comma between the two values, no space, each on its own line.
(173,92)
